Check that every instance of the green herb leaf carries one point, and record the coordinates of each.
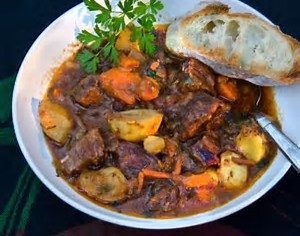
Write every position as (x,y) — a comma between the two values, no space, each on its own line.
(88,60)
(156,6)
(103,18)
(90,39)
(107,4)
(110,51)
(147,21)
(118,24)
(92,5)
(147,43)
(7,136)
(6,90)
(100,32)
(140,9)
(128,5)
(109,23)
(136,34)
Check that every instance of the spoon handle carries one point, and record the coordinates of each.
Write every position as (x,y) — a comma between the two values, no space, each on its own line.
(287,146)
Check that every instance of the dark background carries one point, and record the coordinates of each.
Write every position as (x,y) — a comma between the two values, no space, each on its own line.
(21,21)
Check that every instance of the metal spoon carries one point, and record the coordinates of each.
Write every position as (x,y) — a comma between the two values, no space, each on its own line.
(285,144)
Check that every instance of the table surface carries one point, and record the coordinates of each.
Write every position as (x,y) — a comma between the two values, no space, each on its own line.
(42,213)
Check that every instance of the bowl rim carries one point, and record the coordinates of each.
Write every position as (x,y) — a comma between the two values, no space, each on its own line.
(147,223)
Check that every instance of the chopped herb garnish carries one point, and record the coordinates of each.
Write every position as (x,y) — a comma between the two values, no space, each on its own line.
(151,73)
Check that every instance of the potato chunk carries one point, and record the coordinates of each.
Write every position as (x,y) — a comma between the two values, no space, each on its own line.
(124,43)
(56,120)
(252,143)
(106,185)
(154,144)
(135,125)
(232,175)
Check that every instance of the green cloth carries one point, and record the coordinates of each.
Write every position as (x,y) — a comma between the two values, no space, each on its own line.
(16,211)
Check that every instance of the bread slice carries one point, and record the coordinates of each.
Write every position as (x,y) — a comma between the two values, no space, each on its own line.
(238,45)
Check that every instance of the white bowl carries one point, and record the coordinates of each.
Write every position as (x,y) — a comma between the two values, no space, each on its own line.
(32,81)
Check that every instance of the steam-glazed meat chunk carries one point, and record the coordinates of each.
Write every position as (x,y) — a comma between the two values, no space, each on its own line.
(219,116)
(186,113)
(133,158)
(65,83)
(196,76)
(173,104)
(87,151)
(206,151)
(87,92)
(165,198)
(188,164)
(197,112)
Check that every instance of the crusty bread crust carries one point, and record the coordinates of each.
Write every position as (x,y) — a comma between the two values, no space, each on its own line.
(258,73)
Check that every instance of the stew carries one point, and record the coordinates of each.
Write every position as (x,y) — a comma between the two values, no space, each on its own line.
(158,136)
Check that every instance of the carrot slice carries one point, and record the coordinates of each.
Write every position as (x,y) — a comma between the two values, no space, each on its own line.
(201,180)
(148,89)
(156,174)
(121,84)
(177,168)
(151,174)
(128,62)
(140,181)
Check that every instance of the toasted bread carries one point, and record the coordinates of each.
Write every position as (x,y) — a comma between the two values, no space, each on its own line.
(238,45)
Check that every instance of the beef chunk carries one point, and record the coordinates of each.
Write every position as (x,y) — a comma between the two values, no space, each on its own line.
(171,147)
(168,163)
(87,92)
(188,164)
(165,196)
(186,113)
(65,82)
(168,159)
(133,158)
(197,112)
(173,104)
(210,143)
(136,204)
(196,76)
(206,151)
(89,150)
(164,199)
(219,117)
(157,197)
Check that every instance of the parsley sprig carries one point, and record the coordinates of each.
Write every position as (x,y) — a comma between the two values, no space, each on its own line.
(109,23)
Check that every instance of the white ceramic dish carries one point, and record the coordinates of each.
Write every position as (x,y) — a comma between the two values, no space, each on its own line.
(31,84)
